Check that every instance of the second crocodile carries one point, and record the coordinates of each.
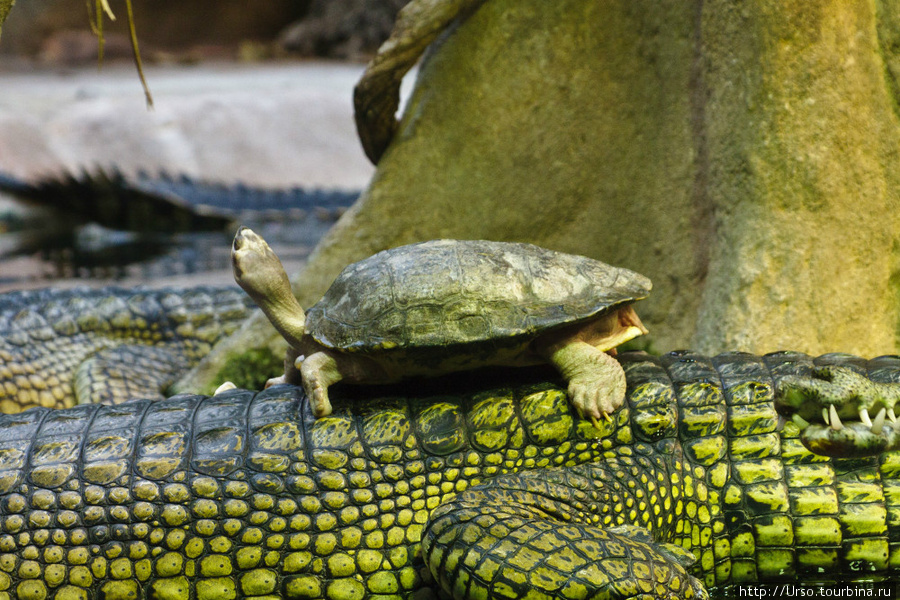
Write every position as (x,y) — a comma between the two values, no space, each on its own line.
(59,348)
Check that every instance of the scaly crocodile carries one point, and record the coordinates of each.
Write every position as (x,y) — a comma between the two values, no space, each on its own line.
(484,493)
(62,347)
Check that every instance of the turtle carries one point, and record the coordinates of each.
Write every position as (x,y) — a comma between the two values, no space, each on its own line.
(443,306)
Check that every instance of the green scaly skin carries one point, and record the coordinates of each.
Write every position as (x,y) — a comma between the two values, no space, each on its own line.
(59,348)
(494,494)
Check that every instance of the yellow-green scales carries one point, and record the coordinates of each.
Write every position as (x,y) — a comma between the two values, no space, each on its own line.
(492,494)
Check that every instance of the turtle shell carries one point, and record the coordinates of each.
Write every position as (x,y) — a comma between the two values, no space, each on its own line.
(454,292)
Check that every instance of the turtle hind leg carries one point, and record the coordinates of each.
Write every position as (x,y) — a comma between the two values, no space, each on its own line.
(319,370)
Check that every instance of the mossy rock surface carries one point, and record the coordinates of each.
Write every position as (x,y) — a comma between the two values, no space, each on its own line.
(5,6)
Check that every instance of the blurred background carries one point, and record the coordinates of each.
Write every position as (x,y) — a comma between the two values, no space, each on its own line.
(55,31)
(252,123)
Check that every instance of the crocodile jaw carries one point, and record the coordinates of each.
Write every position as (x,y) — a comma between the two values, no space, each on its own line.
(831,408)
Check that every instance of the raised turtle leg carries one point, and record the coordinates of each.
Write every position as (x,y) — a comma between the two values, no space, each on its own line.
(596,380)
(319,370)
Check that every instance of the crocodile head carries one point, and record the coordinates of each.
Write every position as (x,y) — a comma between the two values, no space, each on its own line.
(841,413)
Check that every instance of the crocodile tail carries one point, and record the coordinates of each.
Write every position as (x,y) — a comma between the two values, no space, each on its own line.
(109,199)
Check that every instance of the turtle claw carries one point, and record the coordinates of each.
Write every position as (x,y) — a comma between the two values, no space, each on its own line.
(275,381)
(592,401)
(225,387)
(318,400)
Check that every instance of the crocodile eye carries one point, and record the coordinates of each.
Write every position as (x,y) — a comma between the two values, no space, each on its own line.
(653,423)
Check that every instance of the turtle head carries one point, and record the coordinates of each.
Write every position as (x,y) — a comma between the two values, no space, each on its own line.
(615,328)
(841,413)
(259,273)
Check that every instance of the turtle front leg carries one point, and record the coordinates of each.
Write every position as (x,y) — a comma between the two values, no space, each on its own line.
(596,379)
(318,371)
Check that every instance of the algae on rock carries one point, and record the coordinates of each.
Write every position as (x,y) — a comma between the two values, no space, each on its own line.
(744,157)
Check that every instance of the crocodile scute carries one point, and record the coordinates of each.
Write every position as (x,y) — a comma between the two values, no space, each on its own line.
(61,347)
(493,493)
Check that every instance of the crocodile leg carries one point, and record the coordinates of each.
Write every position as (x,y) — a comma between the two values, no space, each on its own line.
(551,534)
(116,374)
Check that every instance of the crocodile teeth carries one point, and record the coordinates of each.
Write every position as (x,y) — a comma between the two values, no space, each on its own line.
(864,417)
(825,415)
(879,422)
(835,420)
(800,421)
(891,415)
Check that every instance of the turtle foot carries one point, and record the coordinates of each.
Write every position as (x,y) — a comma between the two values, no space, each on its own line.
(595,398)
(317,392)
(841,413)
(596,380)
(318,371)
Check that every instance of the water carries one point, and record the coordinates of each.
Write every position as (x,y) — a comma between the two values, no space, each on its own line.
(95,256)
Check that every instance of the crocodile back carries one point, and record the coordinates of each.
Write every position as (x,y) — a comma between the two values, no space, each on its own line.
(248,494)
